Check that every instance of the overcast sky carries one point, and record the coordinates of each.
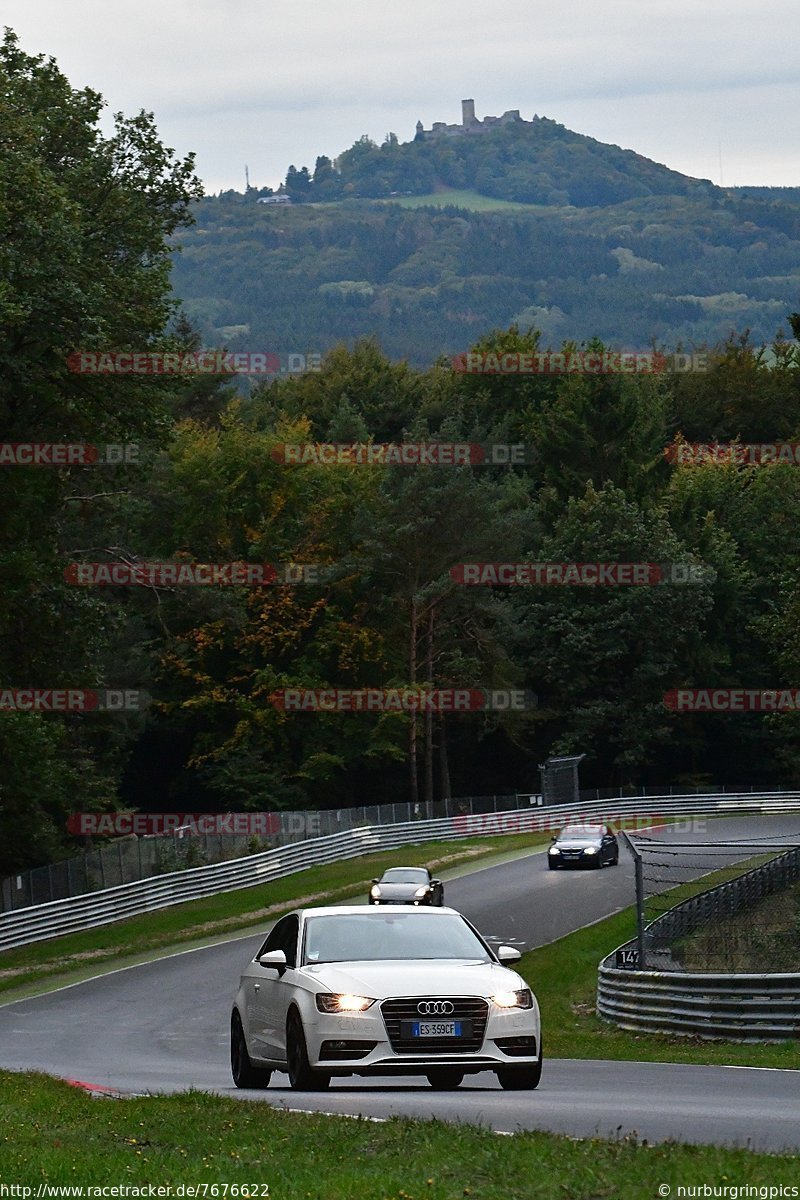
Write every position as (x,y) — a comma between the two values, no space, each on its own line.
(709,87)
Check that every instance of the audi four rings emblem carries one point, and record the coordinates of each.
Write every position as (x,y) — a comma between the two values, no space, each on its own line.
(435,1008)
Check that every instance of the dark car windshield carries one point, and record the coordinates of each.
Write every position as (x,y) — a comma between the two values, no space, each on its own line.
(404,875)
(377,935)
(582,831)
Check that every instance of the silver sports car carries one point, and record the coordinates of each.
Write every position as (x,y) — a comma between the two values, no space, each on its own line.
(406,885)
(382,991)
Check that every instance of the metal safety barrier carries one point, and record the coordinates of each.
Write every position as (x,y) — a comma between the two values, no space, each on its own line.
(58,917)
(724,900)
(736,1006)
(128,858)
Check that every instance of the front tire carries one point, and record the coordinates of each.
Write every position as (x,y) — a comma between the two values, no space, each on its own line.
(302,1076)
(245,1075)
(443,1080)
(520,1079)
(552,865)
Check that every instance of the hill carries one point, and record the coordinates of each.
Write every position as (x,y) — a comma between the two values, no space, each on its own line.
(674,260)
(527,162)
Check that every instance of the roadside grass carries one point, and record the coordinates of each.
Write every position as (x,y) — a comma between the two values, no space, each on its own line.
(660,902)
(765,937)
(563,976)
(78,955)
(462,198)
(55,1134)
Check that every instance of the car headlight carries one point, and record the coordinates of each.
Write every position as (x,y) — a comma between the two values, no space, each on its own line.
(375,892)
(590,850)
(554,850)
(330,1002)
(521,999)
(421,891)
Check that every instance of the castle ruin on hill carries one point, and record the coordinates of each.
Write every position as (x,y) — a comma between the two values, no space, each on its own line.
(470,124)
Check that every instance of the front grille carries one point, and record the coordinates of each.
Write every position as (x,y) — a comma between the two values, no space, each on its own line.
(465,1008)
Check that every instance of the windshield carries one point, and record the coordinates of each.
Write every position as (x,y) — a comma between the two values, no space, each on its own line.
(404,875)
(582,831)
(376,935)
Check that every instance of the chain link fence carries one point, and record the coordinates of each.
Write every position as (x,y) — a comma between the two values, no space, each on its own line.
(726,906)
(126,860)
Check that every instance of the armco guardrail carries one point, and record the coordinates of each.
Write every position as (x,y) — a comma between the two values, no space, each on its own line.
(737,1007)
(724,900)
(127,859)
(762,1007)
(57,917)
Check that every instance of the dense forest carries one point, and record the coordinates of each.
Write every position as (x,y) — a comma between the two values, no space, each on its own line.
(670,269)
(87,268)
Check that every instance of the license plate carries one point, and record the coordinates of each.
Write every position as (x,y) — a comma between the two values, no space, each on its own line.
(435,1029)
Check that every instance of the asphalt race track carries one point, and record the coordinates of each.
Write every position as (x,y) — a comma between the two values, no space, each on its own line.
(163,1026)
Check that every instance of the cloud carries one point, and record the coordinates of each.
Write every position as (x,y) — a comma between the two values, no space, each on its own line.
(265,83)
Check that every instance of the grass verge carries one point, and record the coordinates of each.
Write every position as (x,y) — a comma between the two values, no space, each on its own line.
(78,955)
(463,198)
(564,977)
(765,937)
(54,1134)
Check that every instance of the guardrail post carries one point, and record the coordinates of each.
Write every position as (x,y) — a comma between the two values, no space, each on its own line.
(637,866)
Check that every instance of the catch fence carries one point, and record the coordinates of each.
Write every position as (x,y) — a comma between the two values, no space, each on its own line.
(717,953)
(129,859)
(41,921)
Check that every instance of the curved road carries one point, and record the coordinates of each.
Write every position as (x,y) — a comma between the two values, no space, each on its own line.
(162,1026)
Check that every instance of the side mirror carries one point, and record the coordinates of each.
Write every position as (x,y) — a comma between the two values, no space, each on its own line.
(435,882)
(273,958)
(507,954)
(376,881)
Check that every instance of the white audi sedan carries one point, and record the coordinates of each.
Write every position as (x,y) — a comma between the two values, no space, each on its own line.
(353,990)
